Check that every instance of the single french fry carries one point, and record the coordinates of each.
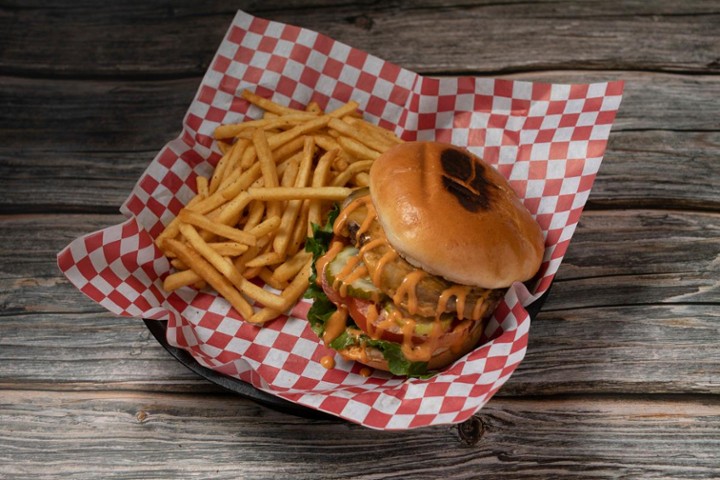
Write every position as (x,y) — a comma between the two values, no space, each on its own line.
(252,272)
(278,121)
(267,276)
(264,315)
(349,131)
(305,128)
(352,170)
(268,105)
(231,211)
(362,179)
(346,109)
(201,221)
(237,152)
(202,185)
(216,199)
(297,286)
(326,142)
(245,134)
(178,264)
(357,149)
(305,170)
(249,155)
(292,193)
(288,149)
(289,173)
(292,266)
(228,249)
(219,172)
(297,239)
(180,279)
(208,273)
(287,225)
(255,215)
(240,261)
(264,259)
(224,147)
(289,217)
(320,178)
(314,107)
(268,168)
(340,164)
(372,129)
(267,226)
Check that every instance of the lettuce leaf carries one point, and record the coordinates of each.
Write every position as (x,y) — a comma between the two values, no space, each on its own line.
(322,308)
(392,352)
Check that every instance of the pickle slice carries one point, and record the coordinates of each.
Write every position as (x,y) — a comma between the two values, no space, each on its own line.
(423,325)
(360,288)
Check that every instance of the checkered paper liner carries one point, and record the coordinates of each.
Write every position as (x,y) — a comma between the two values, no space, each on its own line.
(548,140)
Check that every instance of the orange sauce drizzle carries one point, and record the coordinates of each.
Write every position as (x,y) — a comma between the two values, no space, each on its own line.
(335,325)
(408,288)
(371,214)
(460,293)
(388,257)
(371,245)
(465,326)
(370,319)
(480,306)
(342,217)
(332,252)
(356,274)
(340,284)
(328,362)
(365,372)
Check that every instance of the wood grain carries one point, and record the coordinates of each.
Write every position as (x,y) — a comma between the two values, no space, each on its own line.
(152,435)
(140,38)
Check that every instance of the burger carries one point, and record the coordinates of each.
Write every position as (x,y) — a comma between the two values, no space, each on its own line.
(407,271)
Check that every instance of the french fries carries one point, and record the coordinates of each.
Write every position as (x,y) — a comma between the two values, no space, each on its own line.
(278,175)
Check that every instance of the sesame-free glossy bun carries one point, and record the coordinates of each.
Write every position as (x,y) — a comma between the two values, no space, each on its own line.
(446,211)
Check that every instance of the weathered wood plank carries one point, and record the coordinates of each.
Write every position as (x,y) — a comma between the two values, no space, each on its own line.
(623,349)
(84,144)
(642,242)
(143,38)
(659,169)
(663,349)
(61,351)
(143,435)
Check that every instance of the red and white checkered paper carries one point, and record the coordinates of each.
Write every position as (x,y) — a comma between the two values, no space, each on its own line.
(548,140)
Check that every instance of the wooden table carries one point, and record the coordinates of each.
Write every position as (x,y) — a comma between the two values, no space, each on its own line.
(622,374)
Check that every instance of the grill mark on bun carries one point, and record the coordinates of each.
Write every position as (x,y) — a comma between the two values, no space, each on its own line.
(465,179)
